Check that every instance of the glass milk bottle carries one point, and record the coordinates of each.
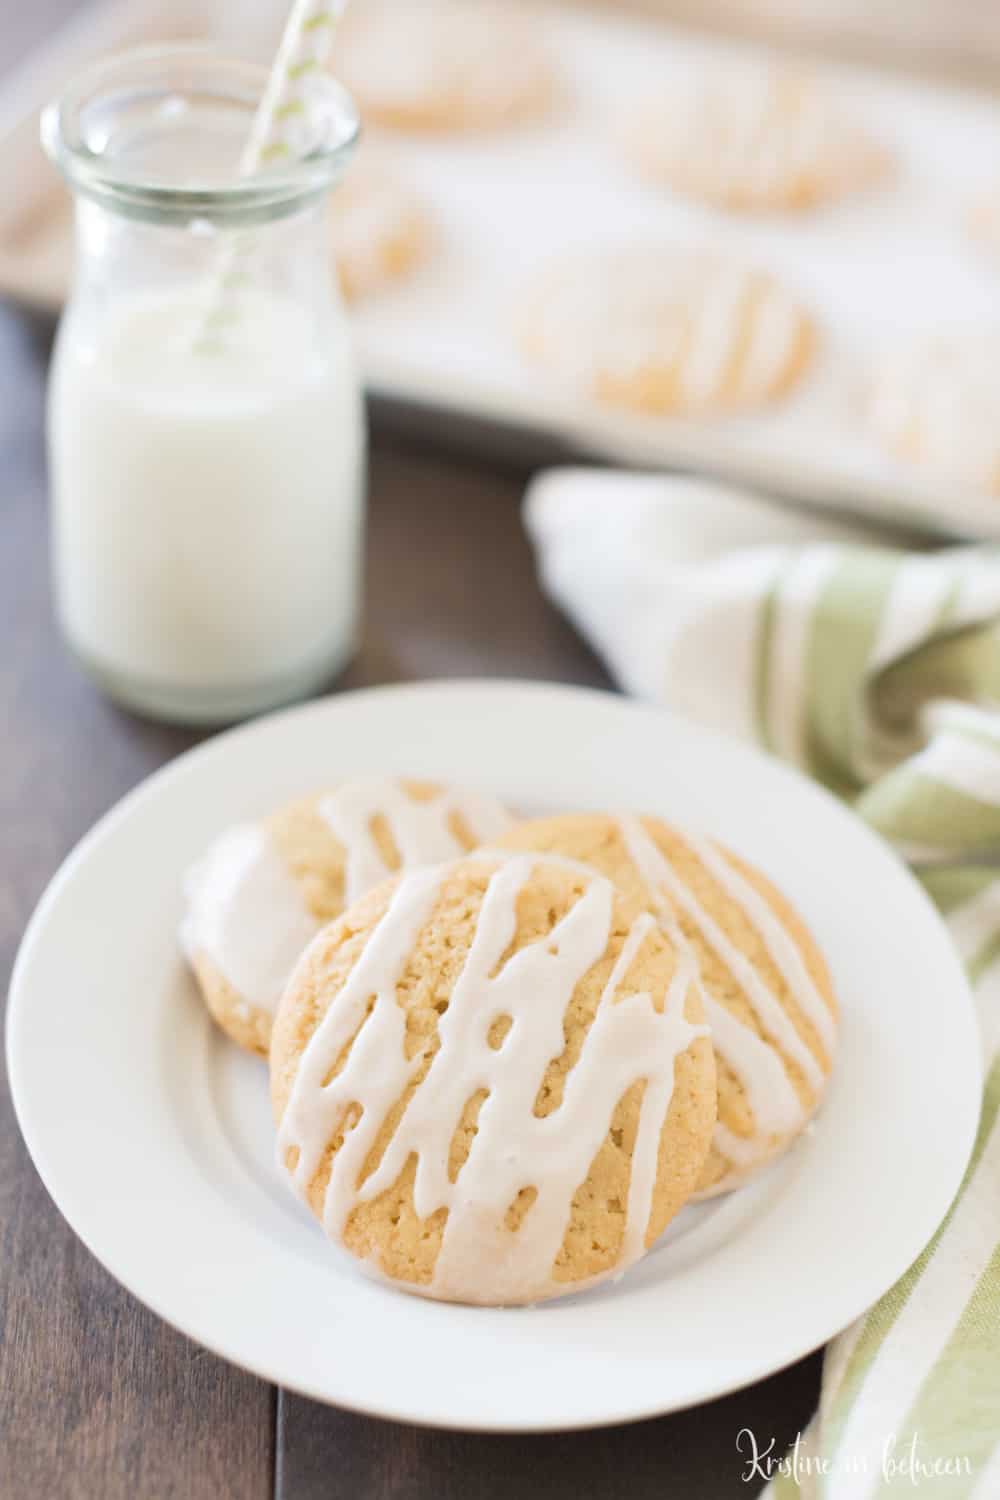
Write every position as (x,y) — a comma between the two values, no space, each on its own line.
(206,439)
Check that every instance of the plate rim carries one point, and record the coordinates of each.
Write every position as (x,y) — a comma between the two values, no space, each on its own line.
(704,1390)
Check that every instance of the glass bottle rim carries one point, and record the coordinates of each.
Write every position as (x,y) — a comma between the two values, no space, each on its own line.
(75,135)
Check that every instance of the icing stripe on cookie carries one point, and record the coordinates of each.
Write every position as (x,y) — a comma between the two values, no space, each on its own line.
(776,1107)
(246,912)
(781,946)
(774,1020)
(420,829)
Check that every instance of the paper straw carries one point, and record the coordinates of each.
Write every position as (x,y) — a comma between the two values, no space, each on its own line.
(276,135)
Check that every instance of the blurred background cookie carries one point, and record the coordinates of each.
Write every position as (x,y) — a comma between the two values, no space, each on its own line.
(752,136)
(936,404)
(263,890)
(381,228)
(667,329)
(765,987)
(445,65)
(492,1083)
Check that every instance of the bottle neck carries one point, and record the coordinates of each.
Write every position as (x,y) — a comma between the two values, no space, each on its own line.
(120,256)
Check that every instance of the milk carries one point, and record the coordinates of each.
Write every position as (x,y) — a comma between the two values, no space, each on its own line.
(207,507)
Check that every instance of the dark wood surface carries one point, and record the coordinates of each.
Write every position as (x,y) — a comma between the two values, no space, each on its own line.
(99,1400)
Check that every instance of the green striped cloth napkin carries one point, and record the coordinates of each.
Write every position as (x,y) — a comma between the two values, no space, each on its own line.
(878,672)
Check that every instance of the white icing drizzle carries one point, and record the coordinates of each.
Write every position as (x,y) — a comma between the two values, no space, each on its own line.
(782,949)
(480,1259)
(419,829)
(315,1108)
(776,1106)
(723,330)
(754,133)
(724,314)
(777,1109)
(247,914)
(776,328)
(743,1151)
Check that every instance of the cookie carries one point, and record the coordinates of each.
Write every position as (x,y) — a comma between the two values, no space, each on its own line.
(937,405)
(752,138)
(263,890)
(381,229)
(445,65)
(668,330)
(765,987)
(492,1084)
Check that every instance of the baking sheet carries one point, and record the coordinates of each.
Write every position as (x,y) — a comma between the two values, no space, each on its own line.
(885,265)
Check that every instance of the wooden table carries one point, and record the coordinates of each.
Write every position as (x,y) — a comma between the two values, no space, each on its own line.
(98,1398)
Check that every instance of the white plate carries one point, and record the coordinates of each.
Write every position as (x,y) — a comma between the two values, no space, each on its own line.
(153,1134)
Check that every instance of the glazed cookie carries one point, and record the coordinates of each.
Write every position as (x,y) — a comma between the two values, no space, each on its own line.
(937,405)
(381,230)
(667,330)
(766,990)
(263,890)
(445,65)
(751,137)
(492,1084)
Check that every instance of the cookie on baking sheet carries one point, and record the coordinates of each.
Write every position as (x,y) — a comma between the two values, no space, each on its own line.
(381,229)
(263,890)
(445,65)
(670,329)
(766,989)
(936,404)
(492,1083)
(752,137)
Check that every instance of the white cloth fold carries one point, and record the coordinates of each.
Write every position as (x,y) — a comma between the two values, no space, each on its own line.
(661,575)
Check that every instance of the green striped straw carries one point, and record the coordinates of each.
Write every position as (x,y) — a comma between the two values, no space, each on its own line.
(304,49)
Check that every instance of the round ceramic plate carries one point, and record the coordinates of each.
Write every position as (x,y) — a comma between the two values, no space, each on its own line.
(153,1134)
